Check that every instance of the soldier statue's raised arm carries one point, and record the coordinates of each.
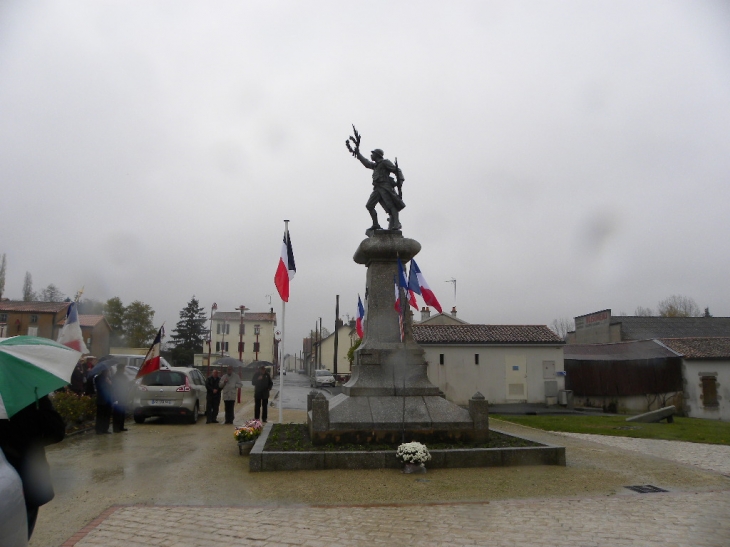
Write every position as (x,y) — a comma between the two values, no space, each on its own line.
(384,187)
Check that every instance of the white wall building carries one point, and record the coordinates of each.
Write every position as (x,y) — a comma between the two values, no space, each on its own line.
(706,374)
(505,363)
(256,332)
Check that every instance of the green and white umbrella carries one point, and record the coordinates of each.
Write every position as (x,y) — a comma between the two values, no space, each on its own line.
(31,367)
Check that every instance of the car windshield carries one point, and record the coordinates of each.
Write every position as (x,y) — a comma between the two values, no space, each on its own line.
(163,378)
(323,373)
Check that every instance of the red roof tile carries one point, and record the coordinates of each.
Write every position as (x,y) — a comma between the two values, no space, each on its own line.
(485,334)
(699,348)
(19,306)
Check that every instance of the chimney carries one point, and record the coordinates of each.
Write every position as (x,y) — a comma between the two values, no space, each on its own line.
(425,313)
(453,311)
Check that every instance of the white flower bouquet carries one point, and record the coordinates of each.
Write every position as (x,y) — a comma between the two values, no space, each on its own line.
(414,452)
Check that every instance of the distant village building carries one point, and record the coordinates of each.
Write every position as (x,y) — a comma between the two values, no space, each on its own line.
(252,336)
(638,363)
(346,338)
(20,318)
(96,333)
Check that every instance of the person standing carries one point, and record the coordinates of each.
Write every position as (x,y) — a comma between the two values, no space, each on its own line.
(213,402)
(262,386)
(23,439)
(229,389)
(120,395)
(103,388)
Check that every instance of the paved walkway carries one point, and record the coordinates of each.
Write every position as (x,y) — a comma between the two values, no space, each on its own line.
(706,456)
(690,517)
(660,520)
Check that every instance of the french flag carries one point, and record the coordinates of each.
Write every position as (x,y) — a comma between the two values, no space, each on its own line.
(360,318)
(152,359)
(286,269)
(417,284)
(70,334)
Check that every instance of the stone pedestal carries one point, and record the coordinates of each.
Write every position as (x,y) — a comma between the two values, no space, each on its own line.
(389,396)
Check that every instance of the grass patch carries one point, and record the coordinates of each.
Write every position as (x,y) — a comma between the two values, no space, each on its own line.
(692,430)
(295,438)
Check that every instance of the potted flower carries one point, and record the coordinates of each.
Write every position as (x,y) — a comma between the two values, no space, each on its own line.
(414,455)
(247,434)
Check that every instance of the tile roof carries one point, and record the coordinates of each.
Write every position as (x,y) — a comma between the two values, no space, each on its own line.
(235,317)
(648,328)
(700,347)
(619,351)
(20,306)
(485,334)
(85,320)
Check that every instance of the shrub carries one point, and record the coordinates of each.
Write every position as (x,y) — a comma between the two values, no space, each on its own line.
(73,408)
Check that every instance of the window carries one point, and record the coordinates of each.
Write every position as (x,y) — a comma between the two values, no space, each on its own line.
(3,317)
(441,358)
(257,329)
(241,346)
(476,358)
(217,328)
(242,329)
(256,347)
(223,328)
(219,345)
(33,318)
(709,390)
(32,331)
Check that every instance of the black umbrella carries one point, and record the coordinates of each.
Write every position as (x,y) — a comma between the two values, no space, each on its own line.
(103,364)
(228,362)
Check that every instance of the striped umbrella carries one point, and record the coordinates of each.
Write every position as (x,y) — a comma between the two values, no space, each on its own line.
(31,367)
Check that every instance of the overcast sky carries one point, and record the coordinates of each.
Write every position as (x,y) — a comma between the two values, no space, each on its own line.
(559,157)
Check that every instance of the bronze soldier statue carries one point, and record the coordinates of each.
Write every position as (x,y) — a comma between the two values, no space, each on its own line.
(384,187)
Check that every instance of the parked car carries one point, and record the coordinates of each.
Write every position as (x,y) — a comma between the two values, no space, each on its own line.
(322,377)
(177,391)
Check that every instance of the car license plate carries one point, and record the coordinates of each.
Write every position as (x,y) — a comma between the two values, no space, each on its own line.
(160,401)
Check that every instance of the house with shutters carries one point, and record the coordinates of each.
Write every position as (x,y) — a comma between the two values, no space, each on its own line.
(505,363)
(20,318)
(249,336)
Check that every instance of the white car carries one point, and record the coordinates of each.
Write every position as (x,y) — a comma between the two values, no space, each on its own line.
(177,391)
(322,377)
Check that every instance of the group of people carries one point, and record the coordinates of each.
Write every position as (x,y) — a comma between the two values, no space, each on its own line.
(112,393)
(226,387)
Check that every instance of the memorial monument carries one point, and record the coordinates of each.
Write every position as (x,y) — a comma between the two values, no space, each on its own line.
(389,397)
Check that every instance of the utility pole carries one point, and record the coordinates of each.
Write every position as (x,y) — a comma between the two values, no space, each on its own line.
(337,332)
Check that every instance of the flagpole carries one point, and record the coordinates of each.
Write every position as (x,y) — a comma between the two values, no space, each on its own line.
(283,338)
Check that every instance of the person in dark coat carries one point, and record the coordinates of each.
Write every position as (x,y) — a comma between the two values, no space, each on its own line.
(120,394)
(23,439)
(262,385)
(78,383)
(103,388)
(213,397)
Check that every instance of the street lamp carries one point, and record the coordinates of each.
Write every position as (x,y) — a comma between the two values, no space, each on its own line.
(243,309)
(213,308)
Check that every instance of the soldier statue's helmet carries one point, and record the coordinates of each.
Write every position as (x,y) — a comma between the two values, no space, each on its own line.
(378,152)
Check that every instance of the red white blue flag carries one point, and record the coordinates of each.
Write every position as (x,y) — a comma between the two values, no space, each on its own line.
(70,334)
(360,318)
(417,284)
(286,269)
(152,359)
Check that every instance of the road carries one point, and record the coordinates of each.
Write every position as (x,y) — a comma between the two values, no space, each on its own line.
(296,388)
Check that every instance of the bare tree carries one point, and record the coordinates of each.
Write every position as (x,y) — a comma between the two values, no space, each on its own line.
(562,326)
(643,312)
(51,294)
(679,306)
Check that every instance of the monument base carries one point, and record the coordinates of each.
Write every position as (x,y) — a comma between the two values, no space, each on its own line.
(394,419)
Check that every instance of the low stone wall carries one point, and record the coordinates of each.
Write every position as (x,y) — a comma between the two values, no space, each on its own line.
(260,460)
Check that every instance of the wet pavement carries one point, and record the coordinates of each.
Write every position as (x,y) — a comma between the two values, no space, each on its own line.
(173,484)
